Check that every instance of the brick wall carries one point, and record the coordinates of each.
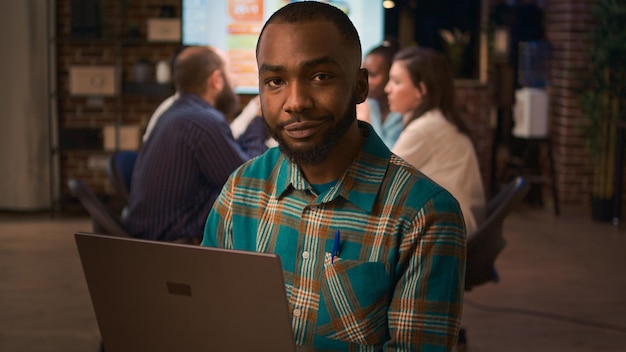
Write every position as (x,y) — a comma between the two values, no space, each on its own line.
(567,22)
(120,42)
(475,103)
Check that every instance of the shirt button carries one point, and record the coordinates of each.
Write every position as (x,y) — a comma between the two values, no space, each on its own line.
(305,255)
(296,312)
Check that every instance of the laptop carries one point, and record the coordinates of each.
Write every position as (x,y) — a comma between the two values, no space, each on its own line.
(159,296)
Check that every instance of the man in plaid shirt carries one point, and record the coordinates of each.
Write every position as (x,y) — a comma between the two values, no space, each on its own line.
(373,251)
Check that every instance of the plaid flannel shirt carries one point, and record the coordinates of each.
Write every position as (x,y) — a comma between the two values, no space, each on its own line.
(397,281)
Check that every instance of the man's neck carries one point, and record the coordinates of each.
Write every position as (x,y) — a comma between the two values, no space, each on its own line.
(338,160)
(209,97)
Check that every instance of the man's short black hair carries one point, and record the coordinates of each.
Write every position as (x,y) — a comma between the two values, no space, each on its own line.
(306,11)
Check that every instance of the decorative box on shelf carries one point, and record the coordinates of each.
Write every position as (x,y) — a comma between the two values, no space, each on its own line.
(93,80)
(121,137)
(164,29)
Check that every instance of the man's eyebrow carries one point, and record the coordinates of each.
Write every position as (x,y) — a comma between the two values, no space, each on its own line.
(320,61)
(308,63)
(270,68)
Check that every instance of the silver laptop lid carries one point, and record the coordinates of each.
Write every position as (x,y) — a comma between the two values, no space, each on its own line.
(158,296)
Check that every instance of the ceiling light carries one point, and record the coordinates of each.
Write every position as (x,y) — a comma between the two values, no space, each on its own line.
(389,4)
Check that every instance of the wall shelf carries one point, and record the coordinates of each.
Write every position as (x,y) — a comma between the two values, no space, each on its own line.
(94,33)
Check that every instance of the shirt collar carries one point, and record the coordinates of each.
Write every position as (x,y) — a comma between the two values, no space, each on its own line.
(361,182)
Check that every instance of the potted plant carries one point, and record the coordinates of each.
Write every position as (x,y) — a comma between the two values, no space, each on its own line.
(455,43)
(602,99)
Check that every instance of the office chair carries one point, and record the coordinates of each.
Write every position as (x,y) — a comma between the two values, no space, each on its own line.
(487,241)
(104,220)
(120,170)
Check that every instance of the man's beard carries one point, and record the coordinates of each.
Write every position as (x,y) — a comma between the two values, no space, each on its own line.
(314,155)
(227,101)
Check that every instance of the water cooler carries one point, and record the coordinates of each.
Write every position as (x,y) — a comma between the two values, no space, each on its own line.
(531,115)
(531,110)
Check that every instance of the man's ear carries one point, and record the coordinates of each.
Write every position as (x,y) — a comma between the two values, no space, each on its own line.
(363,86)
(216,81)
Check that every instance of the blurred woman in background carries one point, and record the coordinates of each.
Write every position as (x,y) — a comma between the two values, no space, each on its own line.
(435,139)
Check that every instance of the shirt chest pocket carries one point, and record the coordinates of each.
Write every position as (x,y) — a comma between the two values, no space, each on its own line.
(354,301)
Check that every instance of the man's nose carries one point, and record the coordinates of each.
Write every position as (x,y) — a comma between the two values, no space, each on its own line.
(299,97)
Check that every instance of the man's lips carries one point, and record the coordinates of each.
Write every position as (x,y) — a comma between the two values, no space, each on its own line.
(303,129)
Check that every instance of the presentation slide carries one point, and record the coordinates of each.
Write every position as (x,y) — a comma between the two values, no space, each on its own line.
(234,26)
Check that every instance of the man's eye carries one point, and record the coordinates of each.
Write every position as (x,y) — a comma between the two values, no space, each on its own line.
(321,77)
(274,82)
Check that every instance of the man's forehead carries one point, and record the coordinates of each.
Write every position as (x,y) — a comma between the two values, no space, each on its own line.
(302,41)
(310,29)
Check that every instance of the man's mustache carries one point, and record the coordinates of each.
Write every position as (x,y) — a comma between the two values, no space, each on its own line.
(293,118)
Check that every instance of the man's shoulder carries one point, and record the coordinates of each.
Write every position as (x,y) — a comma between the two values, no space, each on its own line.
(186,112)
(416,187)
(261,166)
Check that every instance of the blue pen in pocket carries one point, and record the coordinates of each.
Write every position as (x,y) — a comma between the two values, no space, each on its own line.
(335,251)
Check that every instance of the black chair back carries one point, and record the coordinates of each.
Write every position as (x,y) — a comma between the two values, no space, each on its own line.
(485,244)
(104,220)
